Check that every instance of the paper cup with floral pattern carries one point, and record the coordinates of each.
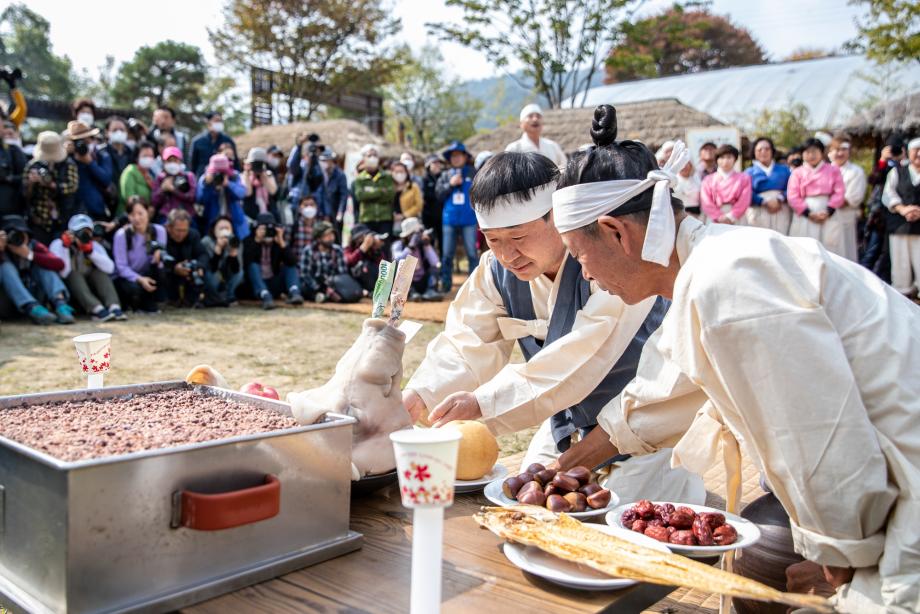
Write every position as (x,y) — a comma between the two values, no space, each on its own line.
(94,351)
(426,461)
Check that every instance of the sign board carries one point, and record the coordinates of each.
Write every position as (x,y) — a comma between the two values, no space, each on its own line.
(720,135)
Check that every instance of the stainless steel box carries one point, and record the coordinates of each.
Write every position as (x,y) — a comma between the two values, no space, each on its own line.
(101,535)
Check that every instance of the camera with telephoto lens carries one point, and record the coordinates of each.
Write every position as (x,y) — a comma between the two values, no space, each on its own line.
(81,147)
(180,182)
(197,274)
(16,238)
(269,233)
(219,179)
(154,247)
(84,235)
(98,231)
(257,167)
(313,147)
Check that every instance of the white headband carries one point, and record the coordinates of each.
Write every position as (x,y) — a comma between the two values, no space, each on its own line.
(579,205)
(508,213)
(913,144)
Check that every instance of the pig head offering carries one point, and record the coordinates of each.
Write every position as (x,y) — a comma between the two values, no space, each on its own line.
(366,385)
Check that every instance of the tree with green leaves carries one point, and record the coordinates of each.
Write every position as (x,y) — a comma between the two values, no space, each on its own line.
(25,43)
(679,41)
(889,32)
(559,44)
(433,109)
(788,126)
(220,92)
(318,49)
(168,73)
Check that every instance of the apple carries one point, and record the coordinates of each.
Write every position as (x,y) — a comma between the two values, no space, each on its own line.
(261,390)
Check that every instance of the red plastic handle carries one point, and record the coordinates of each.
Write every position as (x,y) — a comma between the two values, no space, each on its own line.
(214,512)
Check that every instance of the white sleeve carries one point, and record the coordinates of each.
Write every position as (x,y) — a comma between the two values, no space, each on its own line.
(100,258)
(890,196)
(566,371)
(855,191)
(471,349)
(57,248)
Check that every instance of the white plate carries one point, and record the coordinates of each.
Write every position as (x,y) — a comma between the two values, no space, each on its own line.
(498,472)
(748,532)
(493,493)
(533,560)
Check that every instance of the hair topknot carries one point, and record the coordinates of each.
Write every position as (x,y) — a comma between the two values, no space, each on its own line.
(604,126)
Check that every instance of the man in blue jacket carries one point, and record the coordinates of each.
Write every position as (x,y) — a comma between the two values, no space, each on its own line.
(333,194)
(208,142)
(458,218)
(95,171)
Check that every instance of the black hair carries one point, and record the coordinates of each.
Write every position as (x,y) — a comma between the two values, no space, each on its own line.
(145,145)
(168,109)
(115,118)
(79,104)
(727,150)
(769,142)
(221,218)
(813,142)
(210,115)
(512,175)
(708,144)
(797,150)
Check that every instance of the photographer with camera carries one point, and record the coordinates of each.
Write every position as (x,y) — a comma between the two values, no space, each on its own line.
(260,184)
(374,193)
(164,123)
(220,193)
(185,261)
(207,144)
(269,264)
(305,217)
(95,191)
(139,250)
(363,255)
(87,270)
(304,172)
(117,150)
(174,187)
(333,194)
(414,240)
(12,166)
(50,187)
(323,272)
(224,271)
(139,178)
(29,274)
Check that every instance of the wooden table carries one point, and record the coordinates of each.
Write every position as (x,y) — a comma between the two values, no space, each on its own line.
(477,576)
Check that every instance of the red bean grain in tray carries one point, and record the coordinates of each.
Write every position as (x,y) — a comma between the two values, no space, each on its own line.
(78,430)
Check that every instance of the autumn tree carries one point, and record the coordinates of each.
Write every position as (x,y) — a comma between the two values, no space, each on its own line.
(433,110)
(25,43)
(559,44)
(319,49)
(788,125)
(889,32)
(678,41)
(808,53)
(167,73)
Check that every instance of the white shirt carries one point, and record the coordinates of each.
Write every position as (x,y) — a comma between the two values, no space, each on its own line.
(688,190)
(890,196)
(98,257)
(547,147)
(473,352)
(810,362)
(855,184)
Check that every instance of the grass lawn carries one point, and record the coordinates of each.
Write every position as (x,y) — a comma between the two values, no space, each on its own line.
(290,349)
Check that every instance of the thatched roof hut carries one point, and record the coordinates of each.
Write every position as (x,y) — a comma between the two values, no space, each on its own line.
(652,121)
(344,135)
(899,116)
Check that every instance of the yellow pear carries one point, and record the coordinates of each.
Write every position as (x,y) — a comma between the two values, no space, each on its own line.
(478,449)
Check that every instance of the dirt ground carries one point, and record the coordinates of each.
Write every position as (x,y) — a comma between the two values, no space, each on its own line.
(289,348)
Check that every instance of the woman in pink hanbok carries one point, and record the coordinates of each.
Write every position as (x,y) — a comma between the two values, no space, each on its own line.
(726,194)
(815,192)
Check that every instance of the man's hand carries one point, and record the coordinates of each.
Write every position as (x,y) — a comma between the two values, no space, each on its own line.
(456,180)
(167,185)
(182,269)
(415,406)
(910,212)
(279,236)
(725,219)
(818,217)
(591,451)
(147,283)
(368,243)
(33,176)
(20,250)
(458,406)
(808,578)
(157,257)
(2,241)
(773,205)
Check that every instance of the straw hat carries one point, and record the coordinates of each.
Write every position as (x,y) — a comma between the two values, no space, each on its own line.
(77,130)
(49,147)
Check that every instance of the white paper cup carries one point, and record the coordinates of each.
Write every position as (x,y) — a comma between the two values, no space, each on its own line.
(94,351)
(426,461)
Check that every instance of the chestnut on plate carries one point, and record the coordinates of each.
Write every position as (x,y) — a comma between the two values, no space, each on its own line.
(589,489)
(558,503)
(577,500)
(533,496)
(600,499)
(565,483)
(545,477)
(582,474)
(511,486)
(534,468)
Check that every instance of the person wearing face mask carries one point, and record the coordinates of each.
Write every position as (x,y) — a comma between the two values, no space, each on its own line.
(304,220)
(305,174)
(269,265)
(12,165)
(408,192)
(138,178)
(117,149)
(374,193)
(278,166)
(174,187)
(333,193)
(458,219)
(50,188)
(531,117)
(224,271)
(138,249)
(84,110)
(432,208)
(409,161)
(208,144)
(323,270)
(363,255)
(260,184)
(95,193)
(164,122)
(220,193)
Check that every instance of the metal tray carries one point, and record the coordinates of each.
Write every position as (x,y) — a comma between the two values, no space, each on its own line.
(111,534)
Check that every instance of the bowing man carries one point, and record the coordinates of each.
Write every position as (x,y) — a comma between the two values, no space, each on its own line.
(807,360)
(581,345)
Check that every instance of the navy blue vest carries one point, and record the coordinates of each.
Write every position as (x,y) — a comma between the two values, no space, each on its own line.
(574,292)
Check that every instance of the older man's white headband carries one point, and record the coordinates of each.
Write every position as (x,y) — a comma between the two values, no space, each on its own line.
(579,205)
(508,212)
